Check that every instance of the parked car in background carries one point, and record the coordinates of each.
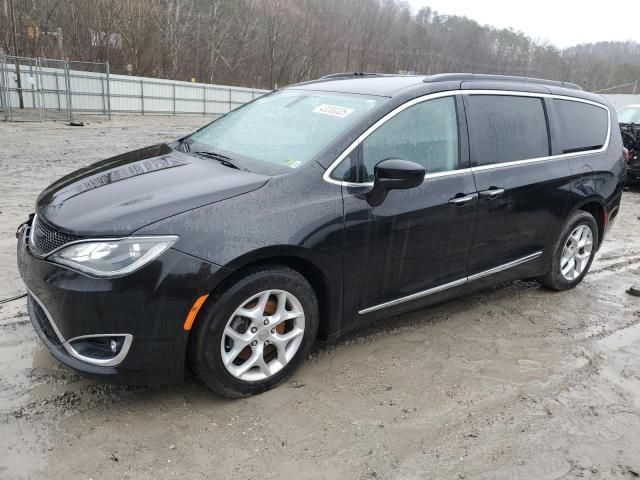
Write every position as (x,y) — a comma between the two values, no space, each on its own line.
(629,119)
(312,211)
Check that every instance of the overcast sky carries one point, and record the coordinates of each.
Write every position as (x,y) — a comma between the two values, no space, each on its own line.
(563,23)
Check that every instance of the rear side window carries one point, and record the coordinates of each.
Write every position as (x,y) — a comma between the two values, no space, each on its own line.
(505,129)
(584,126)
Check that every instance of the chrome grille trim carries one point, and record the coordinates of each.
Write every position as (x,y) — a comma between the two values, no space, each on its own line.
(44,239)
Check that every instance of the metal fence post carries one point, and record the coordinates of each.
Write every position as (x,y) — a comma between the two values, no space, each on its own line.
(204,101)
(230,100)
(4,86)
(104,99)
(57,90)
(2,81)
(142,96)
(67,82)
(174,97)
(40,88)
(108,92)
(635,86)
(9,114)
(31,81)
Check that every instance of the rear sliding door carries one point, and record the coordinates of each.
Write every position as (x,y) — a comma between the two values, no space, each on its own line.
(521,187)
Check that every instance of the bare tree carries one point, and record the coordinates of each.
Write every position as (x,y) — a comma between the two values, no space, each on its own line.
(269,43)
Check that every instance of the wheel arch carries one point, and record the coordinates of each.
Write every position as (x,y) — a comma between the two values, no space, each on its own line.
(596,207)
(326,284)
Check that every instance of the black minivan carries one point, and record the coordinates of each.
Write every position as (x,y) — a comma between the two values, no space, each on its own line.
(312,211)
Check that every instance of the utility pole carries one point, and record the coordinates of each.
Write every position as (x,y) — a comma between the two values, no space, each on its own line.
(14,41)
(60,45)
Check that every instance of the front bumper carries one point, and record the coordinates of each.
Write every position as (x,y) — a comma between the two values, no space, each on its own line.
(147,306)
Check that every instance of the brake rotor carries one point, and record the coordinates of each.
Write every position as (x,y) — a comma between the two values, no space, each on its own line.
(269,309)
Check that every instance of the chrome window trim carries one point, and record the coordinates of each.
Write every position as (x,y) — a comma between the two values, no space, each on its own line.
(107,362)
(455,283)
(450,93)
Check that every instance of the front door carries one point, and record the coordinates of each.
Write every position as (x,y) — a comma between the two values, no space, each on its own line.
(417,241)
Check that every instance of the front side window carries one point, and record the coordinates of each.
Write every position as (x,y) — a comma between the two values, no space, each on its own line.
(426,133)
(584,126)
(506,128)
(284,130)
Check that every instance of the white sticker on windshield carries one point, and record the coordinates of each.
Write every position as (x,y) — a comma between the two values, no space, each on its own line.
(333,110)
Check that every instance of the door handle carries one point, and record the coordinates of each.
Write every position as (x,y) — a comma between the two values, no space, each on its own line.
(463,200)
(492,193)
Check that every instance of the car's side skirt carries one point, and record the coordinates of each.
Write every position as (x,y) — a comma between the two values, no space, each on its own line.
(455,283)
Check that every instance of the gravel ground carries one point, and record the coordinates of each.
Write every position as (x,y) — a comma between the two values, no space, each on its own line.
(512,382)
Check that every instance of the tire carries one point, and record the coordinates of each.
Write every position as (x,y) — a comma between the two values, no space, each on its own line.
(554,279)
(222,331)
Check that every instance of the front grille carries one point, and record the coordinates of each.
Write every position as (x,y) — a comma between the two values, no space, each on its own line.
(45,238)
(40,317)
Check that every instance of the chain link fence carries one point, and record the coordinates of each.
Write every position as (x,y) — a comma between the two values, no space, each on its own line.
(39,89)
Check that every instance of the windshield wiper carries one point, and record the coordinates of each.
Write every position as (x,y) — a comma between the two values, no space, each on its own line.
(224,160)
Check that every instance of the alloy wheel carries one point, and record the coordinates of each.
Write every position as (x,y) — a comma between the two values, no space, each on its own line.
(576,252)
(262,335)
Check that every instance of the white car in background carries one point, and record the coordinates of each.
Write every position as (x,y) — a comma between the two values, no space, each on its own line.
(629,120)
(629,114)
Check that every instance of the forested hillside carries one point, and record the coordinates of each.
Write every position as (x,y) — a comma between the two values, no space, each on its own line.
(269,43)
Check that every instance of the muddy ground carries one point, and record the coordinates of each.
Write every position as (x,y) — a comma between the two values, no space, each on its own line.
(514,382)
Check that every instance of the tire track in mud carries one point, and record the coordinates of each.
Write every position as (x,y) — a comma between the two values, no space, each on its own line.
(625,264)
(607,333)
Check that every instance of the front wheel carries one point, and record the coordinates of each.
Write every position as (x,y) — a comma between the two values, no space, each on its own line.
(573,252)
(255,332)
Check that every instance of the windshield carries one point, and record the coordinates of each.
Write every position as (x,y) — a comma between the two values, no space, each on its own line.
(285,129)
(629,115)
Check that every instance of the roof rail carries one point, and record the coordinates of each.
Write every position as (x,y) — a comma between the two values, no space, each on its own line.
(350,74)
(441,77)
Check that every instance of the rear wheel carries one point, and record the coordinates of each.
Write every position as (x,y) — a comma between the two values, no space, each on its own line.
(573,253)
(255,333)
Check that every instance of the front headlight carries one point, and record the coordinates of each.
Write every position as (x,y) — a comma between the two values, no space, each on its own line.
(111,258)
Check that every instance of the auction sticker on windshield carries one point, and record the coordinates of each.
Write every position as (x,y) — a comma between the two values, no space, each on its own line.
(292,163)
(333,110)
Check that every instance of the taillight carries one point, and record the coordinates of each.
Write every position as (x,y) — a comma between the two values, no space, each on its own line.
(625,152)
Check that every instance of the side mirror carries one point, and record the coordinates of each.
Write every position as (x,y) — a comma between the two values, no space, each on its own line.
(394,174)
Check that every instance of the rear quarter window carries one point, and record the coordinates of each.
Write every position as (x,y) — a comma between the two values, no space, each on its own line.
(505,128)
(584,126)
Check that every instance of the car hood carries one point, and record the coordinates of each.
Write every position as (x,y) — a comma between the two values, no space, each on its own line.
(122,194)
